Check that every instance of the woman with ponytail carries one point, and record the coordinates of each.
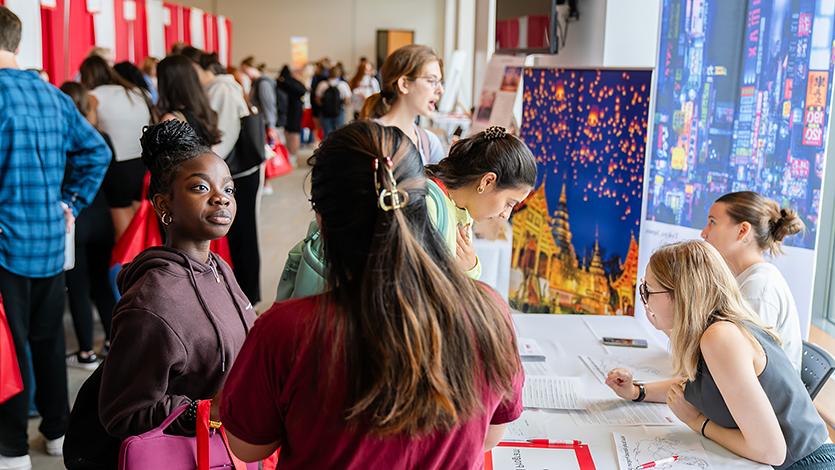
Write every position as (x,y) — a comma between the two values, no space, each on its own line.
(182,317)
(412,85)
(404,362)
(743,226)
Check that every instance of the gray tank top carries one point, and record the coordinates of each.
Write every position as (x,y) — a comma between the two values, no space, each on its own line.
(802,427)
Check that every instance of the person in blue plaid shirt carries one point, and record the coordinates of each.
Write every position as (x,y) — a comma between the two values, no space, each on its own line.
(41,133)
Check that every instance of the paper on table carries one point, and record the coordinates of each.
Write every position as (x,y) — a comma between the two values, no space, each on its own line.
(551,392)
(536,368)
(600,367)
(639,447)
(513,458)
(625,413)
(524,428)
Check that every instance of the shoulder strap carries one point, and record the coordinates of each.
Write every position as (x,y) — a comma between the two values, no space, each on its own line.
(439,198)
(424,144)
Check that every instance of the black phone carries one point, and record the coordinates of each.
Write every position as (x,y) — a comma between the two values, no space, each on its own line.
(626,342)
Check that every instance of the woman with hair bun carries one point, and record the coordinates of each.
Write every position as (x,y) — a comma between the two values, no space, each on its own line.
(412,85)
(182,317)
(743,226)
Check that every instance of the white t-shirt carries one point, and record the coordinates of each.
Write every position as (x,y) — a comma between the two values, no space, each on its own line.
(344,88)
(226,98)
(122,115)
(766,290)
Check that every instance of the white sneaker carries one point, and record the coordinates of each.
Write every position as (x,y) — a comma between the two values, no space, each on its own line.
(55,447)
(15,463)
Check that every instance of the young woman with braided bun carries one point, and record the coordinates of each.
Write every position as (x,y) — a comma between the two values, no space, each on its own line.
(404,362)
(743,226)
(182,317)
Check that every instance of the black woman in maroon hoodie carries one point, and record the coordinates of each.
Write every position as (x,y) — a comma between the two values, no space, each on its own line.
(182,317)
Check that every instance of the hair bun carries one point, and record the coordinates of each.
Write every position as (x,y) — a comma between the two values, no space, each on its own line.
(161,141)
(787,224)
(494,132)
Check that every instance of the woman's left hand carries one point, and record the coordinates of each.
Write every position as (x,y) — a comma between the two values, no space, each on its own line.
(680,407)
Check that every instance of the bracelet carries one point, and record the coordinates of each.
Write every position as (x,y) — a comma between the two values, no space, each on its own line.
(704,425)
(642,393)
(191,412)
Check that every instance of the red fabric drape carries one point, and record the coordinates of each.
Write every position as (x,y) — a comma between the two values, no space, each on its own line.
(52,42)
(229,39)
(53,35)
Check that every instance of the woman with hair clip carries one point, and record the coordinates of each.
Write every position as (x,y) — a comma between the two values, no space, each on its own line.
(743,226)
(484,177)
(123,110)
(404,362)
(734,384)
(182,317)
(181,97)
(412,85)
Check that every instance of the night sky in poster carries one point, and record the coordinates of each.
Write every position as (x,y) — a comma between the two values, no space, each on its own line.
(587,130)
(741,104)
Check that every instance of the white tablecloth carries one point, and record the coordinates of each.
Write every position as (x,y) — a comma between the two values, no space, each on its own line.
(563,337)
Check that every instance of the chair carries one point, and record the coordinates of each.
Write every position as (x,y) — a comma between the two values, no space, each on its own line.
(816,367)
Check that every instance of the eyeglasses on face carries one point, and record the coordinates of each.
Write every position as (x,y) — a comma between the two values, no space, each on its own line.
(433,82)
(644,291)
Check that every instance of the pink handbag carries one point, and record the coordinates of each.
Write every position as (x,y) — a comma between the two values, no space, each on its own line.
(155,449)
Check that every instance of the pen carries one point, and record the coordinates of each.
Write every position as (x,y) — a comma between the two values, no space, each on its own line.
(657,463)
(573,442)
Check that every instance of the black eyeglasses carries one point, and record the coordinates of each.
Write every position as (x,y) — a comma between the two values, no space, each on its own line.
(643,289)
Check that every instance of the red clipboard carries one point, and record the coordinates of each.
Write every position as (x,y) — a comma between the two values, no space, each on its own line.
(581,450)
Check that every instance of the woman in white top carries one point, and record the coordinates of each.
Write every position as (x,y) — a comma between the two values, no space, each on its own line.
(123,111)
(411,86)
(363,85)
(742,226)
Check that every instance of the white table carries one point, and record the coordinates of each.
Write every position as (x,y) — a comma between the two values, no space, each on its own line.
(563,337)
(494,256)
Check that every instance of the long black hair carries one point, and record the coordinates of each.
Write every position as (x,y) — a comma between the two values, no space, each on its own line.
(419,339)
(180,90)
(165,147)
(492,150)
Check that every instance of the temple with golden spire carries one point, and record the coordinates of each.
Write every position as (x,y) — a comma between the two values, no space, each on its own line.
(550,279)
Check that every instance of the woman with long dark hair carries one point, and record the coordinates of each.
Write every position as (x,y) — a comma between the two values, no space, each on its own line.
(123,110)
(182,97)
(404,360)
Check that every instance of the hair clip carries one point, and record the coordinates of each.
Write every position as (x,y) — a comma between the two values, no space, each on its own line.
(391,198)
(494,132)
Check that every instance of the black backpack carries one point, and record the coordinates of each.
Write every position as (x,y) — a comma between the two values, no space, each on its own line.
(332,102)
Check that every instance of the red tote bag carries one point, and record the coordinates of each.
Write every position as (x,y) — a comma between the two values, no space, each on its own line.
(11,382)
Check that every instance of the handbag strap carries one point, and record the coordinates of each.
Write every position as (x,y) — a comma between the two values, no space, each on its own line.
(203,434)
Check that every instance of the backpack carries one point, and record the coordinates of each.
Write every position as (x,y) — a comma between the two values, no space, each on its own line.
(332,102)
(304,271)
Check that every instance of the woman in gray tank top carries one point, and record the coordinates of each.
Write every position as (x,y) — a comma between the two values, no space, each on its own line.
(734,384)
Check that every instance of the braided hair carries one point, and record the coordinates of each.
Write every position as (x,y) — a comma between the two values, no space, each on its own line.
(165,147)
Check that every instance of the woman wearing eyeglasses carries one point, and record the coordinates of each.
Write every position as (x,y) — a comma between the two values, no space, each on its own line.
(734,384)
(411,87)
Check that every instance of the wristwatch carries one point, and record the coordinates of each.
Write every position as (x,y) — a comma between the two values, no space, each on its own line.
(642,393)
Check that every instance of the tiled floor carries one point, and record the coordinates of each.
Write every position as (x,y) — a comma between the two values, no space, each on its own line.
(284,216)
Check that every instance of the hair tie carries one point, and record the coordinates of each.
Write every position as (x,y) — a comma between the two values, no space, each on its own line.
(495,132)
(388,94)
(391,198)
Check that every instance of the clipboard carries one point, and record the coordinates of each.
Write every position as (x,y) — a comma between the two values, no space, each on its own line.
(579,450)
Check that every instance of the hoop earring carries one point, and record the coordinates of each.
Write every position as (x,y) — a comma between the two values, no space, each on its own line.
(480,189)
(166,222)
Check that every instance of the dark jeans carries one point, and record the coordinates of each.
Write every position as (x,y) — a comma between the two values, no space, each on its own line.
(88,280)
(330,124)
(821,459)
(243,237)
(35,310)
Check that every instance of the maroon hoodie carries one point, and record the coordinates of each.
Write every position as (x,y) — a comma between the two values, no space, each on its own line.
(176,331)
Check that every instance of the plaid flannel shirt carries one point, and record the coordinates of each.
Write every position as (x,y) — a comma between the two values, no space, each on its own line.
(41,132)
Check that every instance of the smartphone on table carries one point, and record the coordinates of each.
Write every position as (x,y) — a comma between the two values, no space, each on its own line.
(625,342)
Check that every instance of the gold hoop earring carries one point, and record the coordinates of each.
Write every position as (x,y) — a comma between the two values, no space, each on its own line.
(166,222)
(480,189)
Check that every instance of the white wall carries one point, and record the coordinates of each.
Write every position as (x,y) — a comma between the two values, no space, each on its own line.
(631,33)
(585,38)
(343,30)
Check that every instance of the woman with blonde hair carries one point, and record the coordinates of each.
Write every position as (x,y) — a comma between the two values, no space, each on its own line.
(743,226)
(412,84)
(734,384)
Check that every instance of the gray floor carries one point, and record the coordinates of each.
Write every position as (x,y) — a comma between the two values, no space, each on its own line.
(284,216)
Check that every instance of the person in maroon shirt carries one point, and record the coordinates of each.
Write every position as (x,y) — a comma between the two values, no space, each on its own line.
(404,362)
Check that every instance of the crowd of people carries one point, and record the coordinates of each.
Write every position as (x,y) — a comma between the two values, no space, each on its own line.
(381,341)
